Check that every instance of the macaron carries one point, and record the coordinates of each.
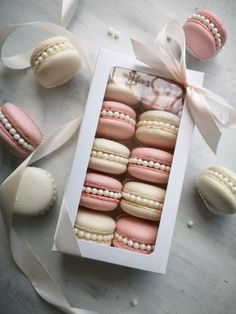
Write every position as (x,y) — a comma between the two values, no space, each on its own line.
(117,121)
(18,131)
(142,200)
(55,61)
(135,234)
(36,192)
(205,34)
(217,187)
(158,129)
(100,192)
(94,226)
(121,93)
(150,164)
(109,156)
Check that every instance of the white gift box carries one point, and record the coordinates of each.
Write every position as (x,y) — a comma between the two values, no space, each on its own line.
(65,240)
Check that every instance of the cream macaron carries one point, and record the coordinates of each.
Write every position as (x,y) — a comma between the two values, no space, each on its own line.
(142,200)
(94,226)
(158,129)
(121,93)
(109,156)
(217,187)
(55,61)
(36,192)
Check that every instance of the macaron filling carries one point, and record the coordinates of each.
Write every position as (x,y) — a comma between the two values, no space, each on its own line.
(136,199)
(14,134)
(109,156)
(158,124)
(91,235)
(50,50)
(149,163)
(101,192)
(110,113)
(136,245)
(211,26)
(227,181)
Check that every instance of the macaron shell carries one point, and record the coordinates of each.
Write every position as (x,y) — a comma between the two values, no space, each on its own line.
(120,245)
(102,182)
(98,202)
(151,175)
(24,125)
(106,166)
(199,40)
(216,195)
(138,230)
(121,93)
(36,192)
(116,129)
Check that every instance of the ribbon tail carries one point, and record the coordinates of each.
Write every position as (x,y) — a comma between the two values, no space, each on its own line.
(203,118)
(68,10)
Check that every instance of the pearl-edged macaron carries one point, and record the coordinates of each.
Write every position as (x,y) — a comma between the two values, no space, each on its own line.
(55,61)
(217,187)
(36,192)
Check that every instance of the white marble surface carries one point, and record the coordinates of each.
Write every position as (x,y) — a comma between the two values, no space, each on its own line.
(202,266)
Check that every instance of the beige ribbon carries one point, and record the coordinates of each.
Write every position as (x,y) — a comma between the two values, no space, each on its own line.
(168,59)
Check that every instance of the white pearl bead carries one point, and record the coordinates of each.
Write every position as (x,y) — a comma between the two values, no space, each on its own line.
(135,160)
(49,51)
(75,230)
(142,246)
(136,245)
(163,167)
(99,237)
(16,136)
(30,148)
(138,199)
(106,193)
(94,191)
(87,235)
(103,113)
(127,118)
(139,161)
(83,189)
(157,165)
(151,164)
(116,114)
(44,55)
(88,189)
(116,34)
(190,223)
(81,233)
(148,248)
(211,25)
(206,22)
(105,237)
(145,163)
(40,59)
(215,30)
(124,241)
(21,141)
(217,35)
(111,194)
(168,168)
(100,192)
(110,113)
(94,153)
(119,238)
(132,197)
(111,157)
(12,131)
(100,154)
(94,237)
(119,195)
(110,31)
(25,145)
(130,243)
(150,203)
(8,126)
(4,121)
(61,45)
(122,116)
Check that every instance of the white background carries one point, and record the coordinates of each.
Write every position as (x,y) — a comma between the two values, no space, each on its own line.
(201,273)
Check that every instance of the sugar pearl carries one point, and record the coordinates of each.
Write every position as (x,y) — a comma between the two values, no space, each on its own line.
(130,243)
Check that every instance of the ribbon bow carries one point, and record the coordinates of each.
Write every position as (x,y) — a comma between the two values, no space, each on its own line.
(169,61)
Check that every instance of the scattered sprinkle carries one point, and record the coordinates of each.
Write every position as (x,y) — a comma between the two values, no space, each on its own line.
(190,223)
(134,302)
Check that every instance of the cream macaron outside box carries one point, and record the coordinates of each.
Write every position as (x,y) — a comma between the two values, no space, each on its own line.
(65,240)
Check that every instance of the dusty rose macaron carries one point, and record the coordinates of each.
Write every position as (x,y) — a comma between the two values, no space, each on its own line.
(117,121)
(135,234)
(100,192)
(142,200)
(205,34)
(18,131)
(150,164)
(158,129)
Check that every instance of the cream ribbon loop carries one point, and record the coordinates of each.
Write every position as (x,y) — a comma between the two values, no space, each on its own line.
(168,59)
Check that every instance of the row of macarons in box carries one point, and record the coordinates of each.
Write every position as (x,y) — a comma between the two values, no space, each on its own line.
(155,128)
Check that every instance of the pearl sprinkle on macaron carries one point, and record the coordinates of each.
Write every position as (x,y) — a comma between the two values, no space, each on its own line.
(134,244)
(101,192)
(117,115)
(150,164)
(16,136)
(111,157)
(212,27)
(158,124)
(141,200)
(224,179)
(82,234)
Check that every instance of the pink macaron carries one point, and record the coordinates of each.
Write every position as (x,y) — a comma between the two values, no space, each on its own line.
(18,131)
(205,34)
(135,234)
(150,164)
(100,192)
(117,121)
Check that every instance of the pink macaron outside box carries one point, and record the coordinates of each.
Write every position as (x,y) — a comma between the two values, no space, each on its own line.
(140,79)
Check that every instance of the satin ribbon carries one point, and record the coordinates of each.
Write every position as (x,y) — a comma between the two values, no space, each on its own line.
(169,62)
